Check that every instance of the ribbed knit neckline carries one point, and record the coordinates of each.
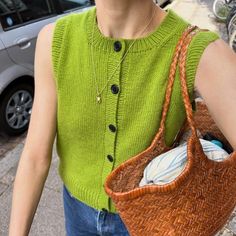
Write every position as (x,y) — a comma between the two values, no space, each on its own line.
(171,24)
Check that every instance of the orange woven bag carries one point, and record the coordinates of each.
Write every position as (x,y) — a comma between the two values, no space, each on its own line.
(198,202)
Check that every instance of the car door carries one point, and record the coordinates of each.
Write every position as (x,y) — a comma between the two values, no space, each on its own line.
(67,6)
(21,21)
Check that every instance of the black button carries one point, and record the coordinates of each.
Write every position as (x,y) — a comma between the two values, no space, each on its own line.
(104,209)
(110,158)
(117,46)
(114,89)
(112,128)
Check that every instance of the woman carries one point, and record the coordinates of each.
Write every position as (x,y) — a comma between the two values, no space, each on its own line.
(100,80)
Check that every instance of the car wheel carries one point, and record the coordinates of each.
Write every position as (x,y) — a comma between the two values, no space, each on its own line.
(15,109)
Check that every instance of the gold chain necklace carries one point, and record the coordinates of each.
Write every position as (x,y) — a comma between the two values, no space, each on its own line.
(98,97)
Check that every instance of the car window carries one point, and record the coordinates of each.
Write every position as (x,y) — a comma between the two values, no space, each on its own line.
(71,4)
(16,12)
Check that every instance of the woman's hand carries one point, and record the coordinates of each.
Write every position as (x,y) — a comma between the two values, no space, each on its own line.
(216,82)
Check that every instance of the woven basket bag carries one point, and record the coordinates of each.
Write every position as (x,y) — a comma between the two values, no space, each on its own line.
(201,199)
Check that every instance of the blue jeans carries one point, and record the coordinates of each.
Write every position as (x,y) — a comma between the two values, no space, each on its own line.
(83,220)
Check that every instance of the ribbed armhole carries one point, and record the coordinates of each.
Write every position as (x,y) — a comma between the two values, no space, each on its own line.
(196,48)
(58,42)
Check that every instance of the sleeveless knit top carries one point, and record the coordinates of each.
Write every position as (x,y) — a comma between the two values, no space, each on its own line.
(92,139)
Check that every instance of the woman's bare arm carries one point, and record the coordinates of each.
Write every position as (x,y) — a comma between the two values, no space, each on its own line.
(216,82)
(36,156)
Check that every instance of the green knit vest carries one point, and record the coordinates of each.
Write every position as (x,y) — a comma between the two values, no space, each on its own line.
(92,139)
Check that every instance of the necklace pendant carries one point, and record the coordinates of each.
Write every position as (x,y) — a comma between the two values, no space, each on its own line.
(99,98)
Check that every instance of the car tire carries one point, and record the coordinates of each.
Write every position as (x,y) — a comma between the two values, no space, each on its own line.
(15,109)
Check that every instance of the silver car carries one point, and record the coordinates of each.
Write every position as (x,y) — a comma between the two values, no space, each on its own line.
(21,21)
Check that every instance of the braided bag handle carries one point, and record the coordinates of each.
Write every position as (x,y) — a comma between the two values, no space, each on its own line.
(179,58)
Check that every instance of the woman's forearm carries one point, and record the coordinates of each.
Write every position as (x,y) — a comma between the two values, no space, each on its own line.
(28,186)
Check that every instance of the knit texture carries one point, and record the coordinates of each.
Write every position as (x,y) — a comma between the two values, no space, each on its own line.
(83,138)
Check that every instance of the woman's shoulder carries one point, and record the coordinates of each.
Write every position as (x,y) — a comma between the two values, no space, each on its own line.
(47,31)
(203,37)
(45,38)
(75,16)
(57,28)
(200,41)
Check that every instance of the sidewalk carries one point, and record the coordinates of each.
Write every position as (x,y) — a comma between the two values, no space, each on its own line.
(199,12)
(49,217)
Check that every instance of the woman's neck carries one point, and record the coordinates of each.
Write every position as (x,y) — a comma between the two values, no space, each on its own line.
(127,18)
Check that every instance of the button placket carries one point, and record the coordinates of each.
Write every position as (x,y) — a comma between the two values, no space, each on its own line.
(112,97)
